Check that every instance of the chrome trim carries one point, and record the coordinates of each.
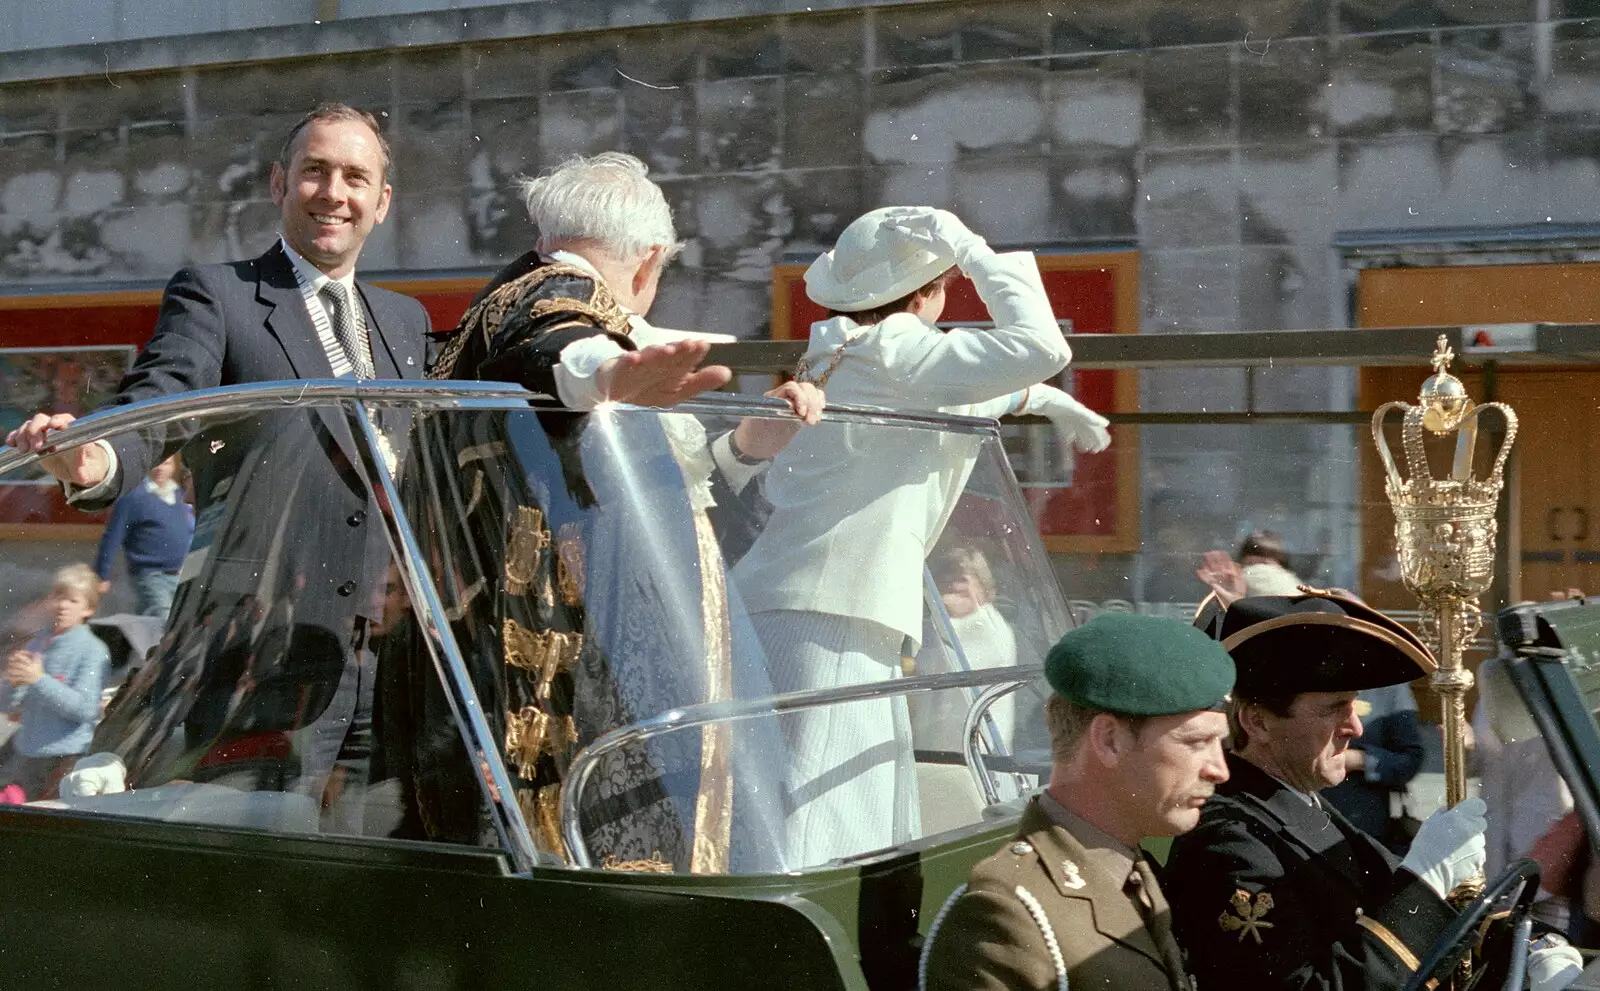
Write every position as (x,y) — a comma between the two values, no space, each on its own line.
(688,717)
(979,709)
(479,737)
(256,396)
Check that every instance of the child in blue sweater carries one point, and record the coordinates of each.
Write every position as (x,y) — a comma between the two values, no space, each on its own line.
(52,687)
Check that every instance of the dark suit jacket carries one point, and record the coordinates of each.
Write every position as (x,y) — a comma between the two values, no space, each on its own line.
(295,516)
(1268,892)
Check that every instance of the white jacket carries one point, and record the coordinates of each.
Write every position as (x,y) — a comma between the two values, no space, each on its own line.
(855,508)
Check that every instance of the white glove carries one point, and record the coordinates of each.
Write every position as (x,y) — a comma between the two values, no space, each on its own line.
(1551,968)
(938,231)
(1449,848)
(96,774)
(1077,424)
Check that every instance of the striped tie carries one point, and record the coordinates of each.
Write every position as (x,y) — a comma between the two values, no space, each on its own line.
(352,333)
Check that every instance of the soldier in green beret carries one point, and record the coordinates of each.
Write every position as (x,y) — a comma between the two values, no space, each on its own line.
(1136,729)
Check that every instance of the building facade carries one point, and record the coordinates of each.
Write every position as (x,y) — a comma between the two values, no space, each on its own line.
(1255,159)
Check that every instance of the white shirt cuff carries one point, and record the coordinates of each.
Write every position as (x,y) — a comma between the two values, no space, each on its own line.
(735,472)
(106,486)
(574,373)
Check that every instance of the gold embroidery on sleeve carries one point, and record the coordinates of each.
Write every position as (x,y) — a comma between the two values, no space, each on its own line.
(1389,939)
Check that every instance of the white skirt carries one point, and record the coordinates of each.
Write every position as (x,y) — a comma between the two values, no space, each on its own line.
(851,786)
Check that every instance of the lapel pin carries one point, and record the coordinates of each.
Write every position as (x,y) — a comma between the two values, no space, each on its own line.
(410,360)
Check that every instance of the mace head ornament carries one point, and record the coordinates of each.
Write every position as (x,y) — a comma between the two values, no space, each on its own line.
(1445,524)
(1444,399)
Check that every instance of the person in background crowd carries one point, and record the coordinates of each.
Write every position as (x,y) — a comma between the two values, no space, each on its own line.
(949,796)
(52,688)
(1260,568)
(1531,805)
(1379,764)
(152,526)
(1136,732)
(834,581)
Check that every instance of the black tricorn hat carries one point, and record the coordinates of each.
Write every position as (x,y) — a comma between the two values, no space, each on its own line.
(1318,641)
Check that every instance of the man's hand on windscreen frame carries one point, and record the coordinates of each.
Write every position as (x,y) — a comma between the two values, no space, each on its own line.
(85,466)
(663,375)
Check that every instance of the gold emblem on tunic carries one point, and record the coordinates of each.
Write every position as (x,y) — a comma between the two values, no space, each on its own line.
(1248,920)
(524,547)
(570,564)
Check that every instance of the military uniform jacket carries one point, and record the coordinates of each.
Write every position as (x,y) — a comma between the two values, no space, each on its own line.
(1040,914)
(1269,891)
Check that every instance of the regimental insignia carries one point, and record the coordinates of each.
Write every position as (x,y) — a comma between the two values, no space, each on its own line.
(1071,876)
(1248,920)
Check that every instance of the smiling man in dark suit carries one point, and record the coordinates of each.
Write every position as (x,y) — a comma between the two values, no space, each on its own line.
(284,521)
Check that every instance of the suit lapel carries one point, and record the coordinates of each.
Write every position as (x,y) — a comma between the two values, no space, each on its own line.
(1313,830)
(290,325)
(286,318)
(390,357)
(1115,916)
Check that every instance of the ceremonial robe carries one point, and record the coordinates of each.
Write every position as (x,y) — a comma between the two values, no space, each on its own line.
(1048,911)
(564,568)
(1270,891)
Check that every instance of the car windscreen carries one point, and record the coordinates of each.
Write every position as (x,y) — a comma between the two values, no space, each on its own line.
(284,690)
(613,577)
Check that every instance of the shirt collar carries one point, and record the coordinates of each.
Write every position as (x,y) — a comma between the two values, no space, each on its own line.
(575,260)
(1107,852)
(167,493)
(578,261)
(313,276)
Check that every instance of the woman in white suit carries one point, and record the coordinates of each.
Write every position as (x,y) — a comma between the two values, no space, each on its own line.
(835,581)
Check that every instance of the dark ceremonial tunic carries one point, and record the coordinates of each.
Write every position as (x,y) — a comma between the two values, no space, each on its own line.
(571,632)
(1271,892)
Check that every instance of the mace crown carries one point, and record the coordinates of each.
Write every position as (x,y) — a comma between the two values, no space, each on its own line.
(1442,407)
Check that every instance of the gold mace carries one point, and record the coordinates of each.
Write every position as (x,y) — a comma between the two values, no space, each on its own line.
(1444,531)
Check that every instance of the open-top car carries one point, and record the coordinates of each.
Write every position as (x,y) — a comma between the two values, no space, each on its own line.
(558,754)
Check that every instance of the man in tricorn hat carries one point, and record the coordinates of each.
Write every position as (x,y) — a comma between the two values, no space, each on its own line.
(1275,888)
(1136,733)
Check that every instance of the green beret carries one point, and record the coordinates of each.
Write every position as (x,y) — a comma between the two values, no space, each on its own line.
(1139,666)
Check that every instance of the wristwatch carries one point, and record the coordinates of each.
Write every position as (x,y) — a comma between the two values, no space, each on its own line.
(1547,941)
(740,456)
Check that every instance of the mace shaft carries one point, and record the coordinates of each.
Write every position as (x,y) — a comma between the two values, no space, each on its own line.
(1451,682)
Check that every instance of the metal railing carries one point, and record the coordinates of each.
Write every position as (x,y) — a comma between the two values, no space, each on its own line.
(738,710)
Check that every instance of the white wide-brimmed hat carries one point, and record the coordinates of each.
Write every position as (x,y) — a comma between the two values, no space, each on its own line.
(870,266)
